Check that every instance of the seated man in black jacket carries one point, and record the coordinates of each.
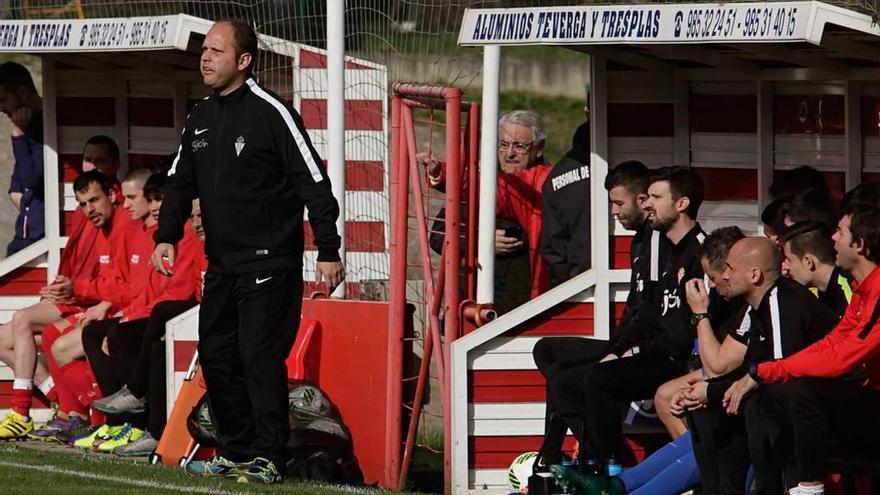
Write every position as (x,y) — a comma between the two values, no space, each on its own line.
(627,186)
(656,348)
(784,318)
(809,260)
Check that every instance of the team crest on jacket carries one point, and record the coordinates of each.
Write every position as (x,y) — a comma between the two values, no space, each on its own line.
(239,145)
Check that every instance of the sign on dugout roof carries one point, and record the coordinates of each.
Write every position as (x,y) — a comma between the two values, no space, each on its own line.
(77,35)
(671,23)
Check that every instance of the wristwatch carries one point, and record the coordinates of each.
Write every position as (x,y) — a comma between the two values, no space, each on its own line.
(696,317)
(753,372)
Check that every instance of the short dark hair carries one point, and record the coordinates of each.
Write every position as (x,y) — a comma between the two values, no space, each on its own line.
(246,41)
(154,188)
(865,193)
(810,238)
(773,215)
(865,227)
(717,244)
(81,184)
(102,140)
(800,179)
(632,175)
(809,206)
(14,75)
(683,183)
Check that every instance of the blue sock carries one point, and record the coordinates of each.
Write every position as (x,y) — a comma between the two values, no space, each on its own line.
(657,462)
(680,476)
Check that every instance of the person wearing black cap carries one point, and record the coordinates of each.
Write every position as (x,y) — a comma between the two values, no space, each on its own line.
(565,240)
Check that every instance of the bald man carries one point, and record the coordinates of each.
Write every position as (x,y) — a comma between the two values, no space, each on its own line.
(785,318)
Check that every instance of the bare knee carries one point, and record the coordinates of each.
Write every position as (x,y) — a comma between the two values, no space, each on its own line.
(21,322)
(6,336)
(66,349)
(665,393)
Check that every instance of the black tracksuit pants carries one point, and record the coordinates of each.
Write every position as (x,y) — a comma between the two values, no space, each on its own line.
(112,371)
(247,327)
(138,380)
(552,356)
(598,390)
(794,426)
(721,450)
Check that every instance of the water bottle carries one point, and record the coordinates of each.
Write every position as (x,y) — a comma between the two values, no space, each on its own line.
(613,468)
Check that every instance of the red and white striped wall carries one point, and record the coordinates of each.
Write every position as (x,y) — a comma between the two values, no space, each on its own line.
(366,157)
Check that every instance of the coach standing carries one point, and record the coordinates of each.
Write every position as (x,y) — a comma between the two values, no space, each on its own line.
(245,154)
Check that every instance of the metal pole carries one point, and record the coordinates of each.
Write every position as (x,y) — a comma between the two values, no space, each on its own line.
(397,299)
(336,115)
(452,248)
(488,175)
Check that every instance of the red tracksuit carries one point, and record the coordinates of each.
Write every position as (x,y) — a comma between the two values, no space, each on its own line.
(853,343)
(149,287)
(78,260)
(108,282)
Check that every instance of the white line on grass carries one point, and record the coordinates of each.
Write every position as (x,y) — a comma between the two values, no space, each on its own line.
(154,484)
(48,468)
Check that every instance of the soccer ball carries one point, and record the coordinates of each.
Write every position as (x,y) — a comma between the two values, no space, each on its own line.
(520,470)
(201,425)
(307,403)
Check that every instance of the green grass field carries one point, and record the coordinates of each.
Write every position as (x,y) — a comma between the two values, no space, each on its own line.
(39,469)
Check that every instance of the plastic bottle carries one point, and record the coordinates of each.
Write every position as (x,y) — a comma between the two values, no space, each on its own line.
(613,468)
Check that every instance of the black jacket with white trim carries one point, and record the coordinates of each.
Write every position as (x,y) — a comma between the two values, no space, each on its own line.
(247,157)
(787,320)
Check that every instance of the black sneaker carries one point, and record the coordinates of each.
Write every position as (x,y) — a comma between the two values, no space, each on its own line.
(261,471)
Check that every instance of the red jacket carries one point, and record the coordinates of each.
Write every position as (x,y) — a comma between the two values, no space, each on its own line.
(78,259)
(148,287)
(109,279)
(853,343)
(519,198)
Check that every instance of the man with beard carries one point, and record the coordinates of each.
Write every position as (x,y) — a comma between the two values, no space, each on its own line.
(627,186)
(784,318)
(828,391)
(662,340)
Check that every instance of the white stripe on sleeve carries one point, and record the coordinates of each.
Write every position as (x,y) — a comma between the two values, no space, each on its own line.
(294,130)
(774,321)
(173,168)
(655,255)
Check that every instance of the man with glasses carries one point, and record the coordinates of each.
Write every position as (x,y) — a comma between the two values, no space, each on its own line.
(521,138)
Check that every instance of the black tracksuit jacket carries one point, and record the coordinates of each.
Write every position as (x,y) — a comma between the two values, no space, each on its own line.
(648,251)
(565,231)
(789,313)
(663,324)
(249,160)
